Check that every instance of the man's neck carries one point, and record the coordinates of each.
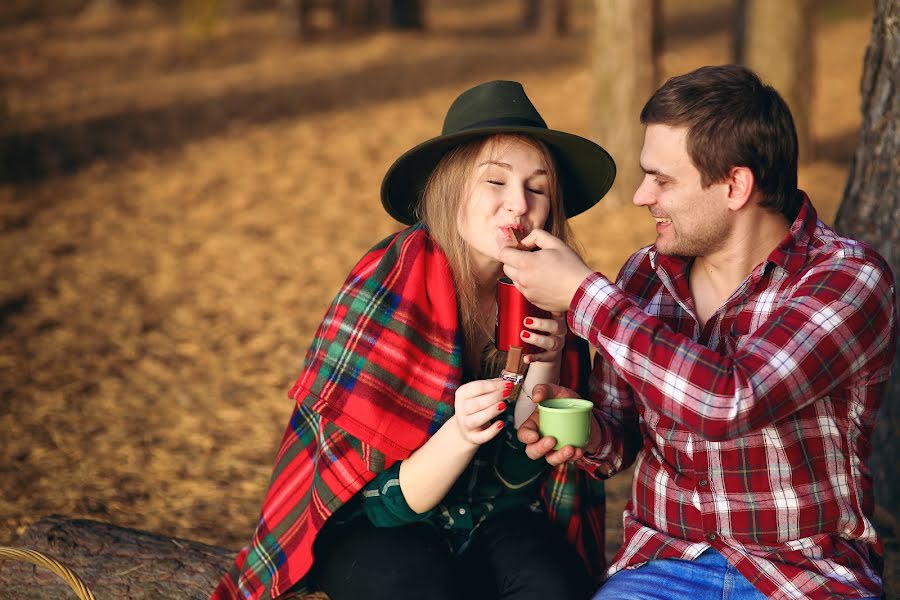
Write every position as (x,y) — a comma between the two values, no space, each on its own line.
(716,276)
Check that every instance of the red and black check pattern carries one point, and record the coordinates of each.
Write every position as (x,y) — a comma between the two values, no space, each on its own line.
(756,427)
(379,379)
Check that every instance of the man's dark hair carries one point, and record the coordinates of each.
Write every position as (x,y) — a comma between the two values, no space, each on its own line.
(733,120)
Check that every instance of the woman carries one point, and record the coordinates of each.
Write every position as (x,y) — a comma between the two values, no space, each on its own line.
(400,474)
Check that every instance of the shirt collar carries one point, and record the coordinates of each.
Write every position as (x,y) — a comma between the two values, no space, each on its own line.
(791,253)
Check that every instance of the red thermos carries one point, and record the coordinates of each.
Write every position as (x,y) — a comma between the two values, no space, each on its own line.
(512,309)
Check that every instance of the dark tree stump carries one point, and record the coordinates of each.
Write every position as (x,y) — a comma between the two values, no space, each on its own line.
(115,563)
(869,212)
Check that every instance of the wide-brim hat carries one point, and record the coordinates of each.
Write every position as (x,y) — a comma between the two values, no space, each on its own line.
(585,170)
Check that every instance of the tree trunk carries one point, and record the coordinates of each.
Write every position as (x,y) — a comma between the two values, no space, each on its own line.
(626,72)
(739,32)
(116,563)
(407,14)
(779,47)
(870,212)
(550,17)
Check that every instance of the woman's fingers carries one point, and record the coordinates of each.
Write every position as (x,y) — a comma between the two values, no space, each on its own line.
(551,343)
(470,405)
(482,436)
(477,419)
(546,334)
(479,387)
(548,326)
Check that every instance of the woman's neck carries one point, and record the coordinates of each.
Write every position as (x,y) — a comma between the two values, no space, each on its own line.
(486,272)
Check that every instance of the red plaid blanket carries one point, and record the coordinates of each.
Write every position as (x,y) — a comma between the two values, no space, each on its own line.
(379,379)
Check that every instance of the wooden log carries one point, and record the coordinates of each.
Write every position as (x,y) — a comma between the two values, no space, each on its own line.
(114,562)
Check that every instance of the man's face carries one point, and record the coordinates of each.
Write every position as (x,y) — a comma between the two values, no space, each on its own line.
(690,220)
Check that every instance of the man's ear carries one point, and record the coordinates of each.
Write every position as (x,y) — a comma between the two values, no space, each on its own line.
(741,184)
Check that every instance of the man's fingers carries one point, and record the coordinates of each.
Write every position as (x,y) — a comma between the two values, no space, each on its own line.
(564,454)
(540,448)
(512,257)
(539,238)
(528,431)
(544,391)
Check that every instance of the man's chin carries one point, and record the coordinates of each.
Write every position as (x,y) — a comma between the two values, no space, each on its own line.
(670,250)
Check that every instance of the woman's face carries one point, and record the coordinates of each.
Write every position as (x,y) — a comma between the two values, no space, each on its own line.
(508,188)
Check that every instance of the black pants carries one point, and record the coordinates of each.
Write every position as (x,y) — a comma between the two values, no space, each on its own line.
(517,555)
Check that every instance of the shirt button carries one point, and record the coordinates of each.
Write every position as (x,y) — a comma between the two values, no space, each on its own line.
(462,511)
(703,483)
(711,537)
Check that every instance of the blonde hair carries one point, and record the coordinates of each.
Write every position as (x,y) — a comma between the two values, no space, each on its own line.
(439,210)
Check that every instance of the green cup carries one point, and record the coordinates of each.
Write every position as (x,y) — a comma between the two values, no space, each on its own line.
(566,419)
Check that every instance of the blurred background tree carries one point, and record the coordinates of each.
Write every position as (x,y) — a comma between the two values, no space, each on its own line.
(547,16)
(627,42)
(778,44)
(870,212)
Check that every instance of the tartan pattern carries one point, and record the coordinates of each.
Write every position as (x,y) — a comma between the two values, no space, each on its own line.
(757,426)
(379,379)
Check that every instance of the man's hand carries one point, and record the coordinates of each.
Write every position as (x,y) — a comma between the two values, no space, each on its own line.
(536,446)
(549,277)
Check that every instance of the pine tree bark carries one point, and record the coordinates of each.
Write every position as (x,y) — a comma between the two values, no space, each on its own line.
(407,14)
(550,17)
(626,72)
(870,211)
(779,47)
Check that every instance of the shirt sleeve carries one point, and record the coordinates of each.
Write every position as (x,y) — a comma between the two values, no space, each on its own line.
(617,417)
(838,321)
(384,503)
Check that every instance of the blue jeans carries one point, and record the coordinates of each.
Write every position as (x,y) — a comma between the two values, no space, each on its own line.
(708,577)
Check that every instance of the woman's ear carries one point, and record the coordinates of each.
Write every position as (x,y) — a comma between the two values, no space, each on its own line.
(741,184)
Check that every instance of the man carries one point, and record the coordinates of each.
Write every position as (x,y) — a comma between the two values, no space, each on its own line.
(745,351)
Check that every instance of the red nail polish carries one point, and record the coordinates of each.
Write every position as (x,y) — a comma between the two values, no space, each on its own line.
(529,321)
(526,335)
(499,424)
(501,407)
(507,390)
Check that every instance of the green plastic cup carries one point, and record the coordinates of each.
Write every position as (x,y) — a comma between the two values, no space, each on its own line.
(566,419)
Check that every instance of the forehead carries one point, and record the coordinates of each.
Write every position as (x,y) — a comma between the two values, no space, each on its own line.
(665,148)
(516,151)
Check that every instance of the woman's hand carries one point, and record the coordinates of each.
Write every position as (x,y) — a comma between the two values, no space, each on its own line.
(547,334)
(477,404)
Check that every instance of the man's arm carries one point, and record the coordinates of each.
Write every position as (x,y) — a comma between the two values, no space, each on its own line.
(839,321)
(616,418)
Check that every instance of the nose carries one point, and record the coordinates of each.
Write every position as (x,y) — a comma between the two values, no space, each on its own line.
(515,201)
(643,196)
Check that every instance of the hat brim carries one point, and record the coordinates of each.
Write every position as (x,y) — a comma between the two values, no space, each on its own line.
(586,171)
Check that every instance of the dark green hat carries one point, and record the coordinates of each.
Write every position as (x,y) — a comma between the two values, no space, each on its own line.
(586,171)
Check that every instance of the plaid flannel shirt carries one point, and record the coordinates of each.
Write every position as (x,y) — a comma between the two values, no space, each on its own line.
(379,379)
(756,426)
